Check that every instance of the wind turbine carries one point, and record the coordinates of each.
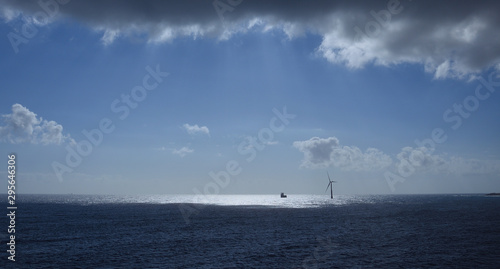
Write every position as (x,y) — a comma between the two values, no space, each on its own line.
(330,184)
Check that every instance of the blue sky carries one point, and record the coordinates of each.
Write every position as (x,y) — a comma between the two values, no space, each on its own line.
(355,105)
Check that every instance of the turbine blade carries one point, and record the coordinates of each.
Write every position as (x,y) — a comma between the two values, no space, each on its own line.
(328,186)
(328,176)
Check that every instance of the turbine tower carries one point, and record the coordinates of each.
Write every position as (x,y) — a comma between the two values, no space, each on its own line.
(330,184)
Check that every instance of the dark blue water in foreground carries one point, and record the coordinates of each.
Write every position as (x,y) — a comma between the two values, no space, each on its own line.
(407,231)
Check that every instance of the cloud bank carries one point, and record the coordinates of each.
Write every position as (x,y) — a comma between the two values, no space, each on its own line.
(449,39)
(23,126)
(325,152)
(422,160)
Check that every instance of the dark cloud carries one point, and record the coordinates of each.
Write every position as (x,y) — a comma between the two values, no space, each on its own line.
(449,38)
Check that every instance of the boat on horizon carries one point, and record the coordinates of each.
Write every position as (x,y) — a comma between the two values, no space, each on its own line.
(283,195)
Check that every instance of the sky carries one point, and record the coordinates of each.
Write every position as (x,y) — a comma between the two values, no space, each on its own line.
(250,97)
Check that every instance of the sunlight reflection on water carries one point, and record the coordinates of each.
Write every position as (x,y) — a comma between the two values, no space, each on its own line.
(293,200)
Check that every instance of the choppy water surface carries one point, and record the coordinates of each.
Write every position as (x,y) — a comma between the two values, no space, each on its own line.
(256,231)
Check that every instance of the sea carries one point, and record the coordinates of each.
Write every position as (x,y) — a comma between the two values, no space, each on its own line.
(253,231)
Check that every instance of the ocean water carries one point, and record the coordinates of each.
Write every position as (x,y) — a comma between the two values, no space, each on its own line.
(255,231)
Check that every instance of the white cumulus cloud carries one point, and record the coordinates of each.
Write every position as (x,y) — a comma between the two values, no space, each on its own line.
(195,129)
(325,152)
(421,158)
(23,126)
